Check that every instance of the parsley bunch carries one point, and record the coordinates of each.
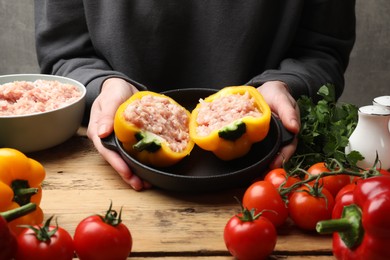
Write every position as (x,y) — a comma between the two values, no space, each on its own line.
(325,129)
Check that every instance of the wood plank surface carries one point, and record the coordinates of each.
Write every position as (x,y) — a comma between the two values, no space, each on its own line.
(164,225)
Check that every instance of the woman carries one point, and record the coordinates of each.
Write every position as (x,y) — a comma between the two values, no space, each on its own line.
(284,48)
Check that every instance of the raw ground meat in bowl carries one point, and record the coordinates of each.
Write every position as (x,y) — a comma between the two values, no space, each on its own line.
(39,111)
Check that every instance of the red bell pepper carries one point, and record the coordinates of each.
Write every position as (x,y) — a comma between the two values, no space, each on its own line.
(361,230)
(8,242)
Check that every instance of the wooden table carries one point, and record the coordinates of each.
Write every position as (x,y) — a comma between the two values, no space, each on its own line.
(164,225)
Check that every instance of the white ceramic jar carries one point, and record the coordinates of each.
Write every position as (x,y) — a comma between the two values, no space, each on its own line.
(372,136)
(382,101)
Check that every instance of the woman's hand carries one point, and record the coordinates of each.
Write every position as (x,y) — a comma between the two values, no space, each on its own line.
(281,102)
(101,124)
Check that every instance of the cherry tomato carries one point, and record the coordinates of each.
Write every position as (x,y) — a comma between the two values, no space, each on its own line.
(332,183)
(103,237)
(307,209)
(44,242)
(279,176)
(249,238)
(381,172)
(384,172)
(262,195)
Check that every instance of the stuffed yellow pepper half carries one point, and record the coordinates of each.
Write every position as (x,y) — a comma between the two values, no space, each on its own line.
(228,122)
(154,129)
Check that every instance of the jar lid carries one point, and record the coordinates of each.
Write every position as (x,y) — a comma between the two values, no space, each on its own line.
(374,110)
(382,101)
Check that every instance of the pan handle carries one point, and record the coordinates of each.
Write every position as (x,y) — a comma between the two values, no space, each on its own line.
(110,143)
(286,136)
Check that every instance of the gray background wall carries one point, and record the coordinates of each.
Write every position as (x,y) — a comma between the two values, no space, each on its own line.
(368,74)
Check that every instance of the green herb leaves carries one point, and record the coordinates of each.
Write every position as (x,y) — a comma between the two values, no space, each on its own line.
(325,129)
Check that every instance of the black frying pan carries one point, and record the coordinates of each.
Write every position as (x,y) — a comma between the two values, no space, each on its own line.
(202,170)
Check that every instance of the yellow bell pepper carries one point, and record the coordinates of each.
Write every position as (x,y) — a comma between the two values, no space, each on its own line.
(235,139)
(145,144)
(20,184)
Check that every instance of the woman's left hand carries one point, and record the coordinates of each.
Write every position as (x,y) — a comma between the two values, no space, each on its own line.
(101,124)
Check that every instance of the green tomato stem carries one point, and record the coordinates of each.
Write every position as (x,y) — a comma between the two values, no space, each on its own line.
(341,170)
(112,218)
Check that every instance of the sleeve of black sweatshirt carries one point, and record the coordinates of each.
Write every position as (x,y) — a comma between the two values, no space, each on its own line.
(320,52)
(64,47)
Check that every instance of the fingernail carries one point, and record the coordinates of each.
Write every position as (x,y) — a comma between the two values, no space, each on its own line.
(102,130)
(294,123)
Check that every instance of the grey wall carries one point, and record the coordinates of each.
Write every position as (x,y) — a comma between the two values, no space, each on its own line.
(17,50)
(368,74)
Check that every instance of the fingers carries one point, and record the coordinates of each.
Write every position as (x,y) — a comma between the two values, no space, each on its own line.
(285,107)
(101,125)
(288,112)
(282,104)
(284,154)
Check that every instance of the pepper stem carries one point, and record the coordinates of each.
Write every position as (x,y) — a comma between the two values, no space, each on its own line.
(330,226)
(22,191)
(147,141)
(349,226)
(232,131)
(18,212)
(25,192)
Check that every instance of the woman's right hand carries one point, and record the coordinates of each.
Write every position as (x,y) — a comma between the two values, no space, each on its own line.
(101,124)
(278,97)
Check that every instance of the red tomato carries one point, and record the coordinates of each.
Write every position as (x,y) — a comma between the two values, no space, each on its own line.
(102,237)
(279,176)
(250,239)
(381,171)
(57,246)
(306,209)
(262,195)
(384,172)
(332,183)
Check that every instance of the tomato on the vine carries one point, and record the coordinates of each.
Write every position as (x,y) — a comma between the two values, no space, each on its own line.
(308,205)
(279,176)
(372,172)
(383,171)
(103,237)
(44,242)
(262,195)
(332,183)
(248,236)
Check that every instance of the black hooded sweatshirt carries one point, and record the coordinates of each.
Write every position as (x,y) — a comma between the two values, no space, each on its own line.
(171,44)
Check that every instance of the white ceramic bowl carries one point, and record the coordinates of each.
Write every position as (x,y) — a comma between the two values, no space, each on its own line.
(39,131)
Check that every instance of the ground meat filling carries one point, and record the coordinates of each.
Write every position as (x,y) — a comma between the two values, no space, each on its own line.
(27,97)
(223,111)
(159,116)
